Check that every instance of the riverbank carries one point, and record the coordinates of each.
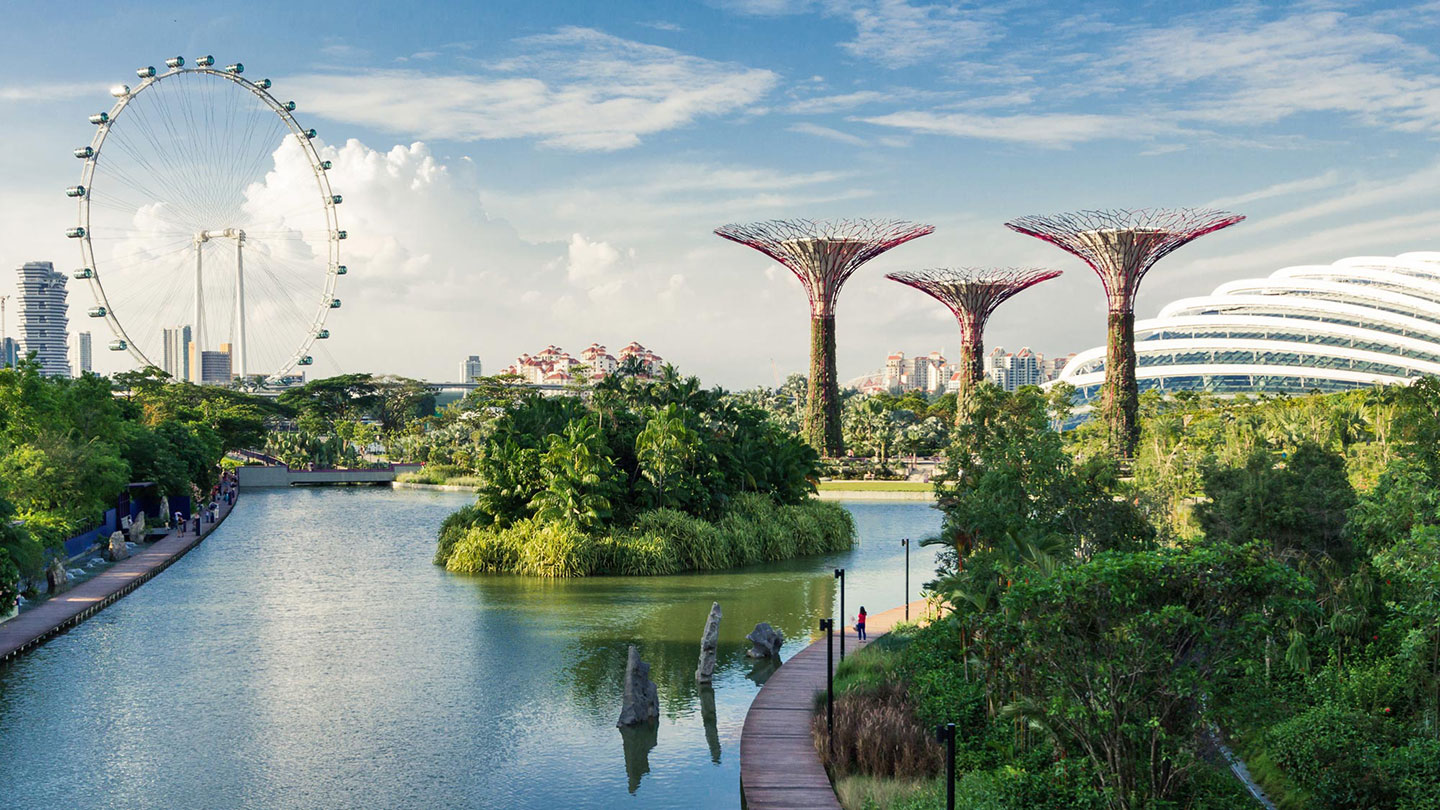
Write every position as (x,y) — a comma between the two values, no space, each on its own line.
(876,491)
(65,610)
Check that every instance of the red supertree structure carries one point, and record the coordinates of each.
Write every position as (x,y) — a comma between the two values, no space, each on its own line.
(823,255)
(972,293)
(1121,246)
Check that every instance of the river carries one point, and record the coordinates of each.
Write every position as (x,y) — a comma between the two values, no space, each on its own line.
(308,655)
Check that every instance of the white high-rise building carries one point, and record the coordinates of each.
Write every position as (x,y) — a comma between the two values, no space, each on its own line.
(83,353)
(176,359)
(44,326)
(470,369)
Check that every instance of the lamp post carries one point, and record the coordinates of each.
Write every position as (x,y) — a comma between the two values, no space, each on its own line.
(946,734)
(828,625)
(906,543)
(840,575)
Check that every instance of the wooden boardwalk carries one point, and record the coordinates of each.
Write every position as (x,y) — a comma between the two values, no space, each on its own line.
(779,767)
(59,613)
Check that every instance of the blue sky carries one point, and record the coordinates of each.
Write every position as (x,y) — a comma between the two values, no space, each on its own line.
(518,174)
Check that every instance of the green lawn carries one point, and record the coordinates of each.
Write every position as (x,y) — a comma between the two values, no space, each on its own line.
(876,486)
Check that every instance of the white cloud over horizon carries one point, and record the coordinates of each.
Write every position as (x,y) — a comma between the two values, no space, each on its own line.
(575,89)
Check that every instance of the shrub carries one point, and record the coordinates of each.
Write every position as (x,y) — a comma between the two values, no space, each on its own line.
(696,544)
(662,541)
(1333,753)
(554,550)
(1414,774)
(455,525)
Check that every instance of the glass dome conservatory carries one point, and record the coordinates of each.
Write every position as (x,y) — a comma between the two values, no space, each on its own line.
(1359,322)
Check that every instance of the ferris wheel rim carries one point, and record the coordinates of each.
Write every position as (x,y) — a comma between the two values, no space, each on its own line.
(303,136)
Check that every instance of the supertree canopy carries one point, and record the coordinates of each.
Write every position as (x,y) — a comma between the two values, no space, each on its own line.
(1121,246)
(972,293)
(823,255)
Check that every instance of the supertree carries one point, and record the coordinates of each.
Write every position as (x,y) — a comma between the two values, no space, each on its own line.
(1121,246)
(823,255)
(972,293)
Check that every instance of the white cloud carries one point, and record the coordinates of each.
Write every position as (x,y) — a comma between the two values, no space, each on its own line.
(827,133)
(1247,71)
(576,89)
(1053,130)
(590,262)
(896,34)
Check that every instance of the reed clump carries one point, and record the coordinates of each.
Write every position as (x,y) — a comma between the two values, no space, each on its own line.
(755,528)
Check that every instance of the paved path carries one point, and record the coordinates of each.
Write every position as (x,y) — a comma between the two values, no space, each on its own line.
(59,613)
(779,767)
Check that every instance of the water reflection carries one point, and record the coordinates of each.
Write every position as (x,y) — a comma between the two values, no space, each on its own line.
(638,742)
(303,658)
(707,715)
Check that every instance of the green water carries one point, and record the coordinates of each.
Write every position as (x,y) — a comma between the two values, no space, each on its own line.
(307,655)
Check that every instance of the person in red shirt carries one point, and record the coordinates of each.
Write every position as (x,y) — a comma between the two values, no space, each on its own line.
(860,623)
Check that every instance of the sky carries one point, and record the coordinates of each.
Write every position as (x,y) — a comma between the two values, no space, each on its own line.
(517,174)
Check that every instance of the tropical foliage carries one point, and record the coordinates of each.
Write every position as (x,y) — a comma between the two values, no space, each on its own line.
(68,446)
(637,476)
(1267,573)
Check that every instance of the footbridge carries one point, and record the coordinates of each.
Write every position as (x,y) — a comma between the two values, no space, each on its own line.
(281,475)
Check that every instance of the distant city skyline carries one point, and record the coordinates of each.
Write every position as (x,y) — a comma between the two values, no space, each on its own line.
(517,174)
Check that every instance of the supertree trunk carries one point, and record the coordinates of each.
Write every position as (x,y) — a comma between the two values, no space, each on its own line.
(822,402)
(1121,400)
(972,294)
(823,255)
(972,372)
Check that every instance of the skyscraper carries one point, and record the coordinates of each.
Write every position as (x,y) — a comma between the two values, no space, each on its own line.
(44,326)
(470,369)
(83,352)
(176,360)
(9,352)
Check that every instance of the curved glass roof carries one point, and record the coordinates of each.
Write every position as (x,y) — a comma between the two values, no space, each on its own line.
(1362,321)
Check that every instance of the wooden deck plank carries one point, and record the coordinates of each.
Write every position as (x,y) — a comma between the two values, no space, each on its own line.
(779,768)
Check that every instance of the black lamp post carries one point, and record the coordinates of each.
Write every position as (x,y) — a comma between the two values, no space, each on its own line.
(840,575)
(906,600)
(828,625)
(946,734)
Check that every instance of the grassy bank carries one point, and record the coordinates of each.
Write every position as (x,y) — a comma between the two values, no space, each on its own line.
(440,474)
(661,541)
(875,486)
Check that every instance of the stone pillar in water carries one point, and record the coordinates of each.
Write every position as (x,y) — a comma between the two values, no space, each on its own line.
(641,703)
(705,673)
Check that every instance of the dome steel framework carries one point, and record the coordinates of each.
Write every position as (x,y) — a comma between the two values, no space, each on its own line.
(1356,323)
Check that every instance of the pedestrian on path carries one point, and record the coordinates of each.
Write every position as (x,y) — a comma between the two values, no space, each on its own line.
(860,624)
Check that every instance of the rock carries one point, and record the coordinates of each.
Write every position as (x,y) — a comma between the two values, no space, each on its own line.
(705,673)
(641,703)
(56,576)
(766,641)
(117,550)
(165,510)
(137,528)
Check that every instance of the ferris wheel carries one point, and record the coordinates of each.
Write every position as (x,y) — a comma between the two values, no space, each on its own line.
(208,229)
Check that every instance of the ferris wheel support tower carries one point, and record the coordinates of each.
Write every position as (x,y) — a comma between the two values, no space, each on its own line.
(198,338)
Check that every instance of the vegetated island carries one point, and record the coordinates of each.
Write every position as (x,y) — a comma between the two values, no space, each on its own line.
(640,477)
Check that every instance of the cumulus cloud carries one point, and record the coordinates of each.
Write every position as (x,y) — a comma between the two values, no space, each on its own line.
(577,89)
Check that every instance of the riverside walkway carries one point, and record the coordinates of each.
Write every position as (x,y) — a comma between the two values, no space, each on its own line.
(779,767)
(67,609)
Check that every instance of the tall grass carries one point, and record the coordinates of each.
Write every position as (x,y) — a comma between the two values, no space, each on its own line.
(876,734)
(662,541)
